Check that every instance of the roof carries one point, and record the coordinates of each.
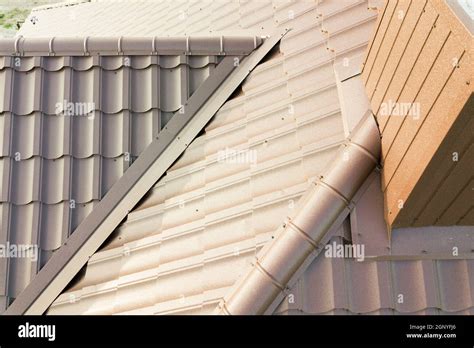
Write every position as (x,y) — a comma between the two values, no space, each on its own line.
(200,227)
(75,114)
(306,231)
(163,18)
(346,286)
(413,262)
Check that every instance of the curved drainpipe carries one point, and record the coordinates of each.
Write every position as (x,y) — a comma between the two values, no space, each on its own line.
(322,208)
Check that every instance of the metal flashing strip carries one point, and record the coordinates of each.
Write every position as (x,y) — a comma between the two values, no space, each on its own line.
(319,213)
(138,179)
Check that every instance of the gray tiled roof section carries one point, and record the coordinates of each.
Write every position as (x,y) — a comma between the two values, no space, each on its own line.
(55,167)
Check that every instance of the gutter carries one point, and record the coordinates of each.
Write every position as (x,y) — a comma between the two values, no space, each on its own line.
(321,210)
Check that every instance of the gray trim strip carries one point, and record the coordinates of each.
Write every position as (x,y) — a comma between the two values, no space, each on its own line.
(153,45)
(136,181)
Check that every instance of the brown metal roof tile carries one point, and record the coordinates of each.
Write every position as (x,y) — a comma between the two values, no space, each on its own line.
(25,135)
(223,240)
(55,179)
(375,287)
(409,295)
(459,297)
(364,282)
(55,220)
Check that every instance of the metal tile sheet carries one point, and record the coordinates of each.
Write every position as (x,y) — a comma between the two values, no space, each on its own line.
(346,286)
(56,167)
(199,227)
(193,234)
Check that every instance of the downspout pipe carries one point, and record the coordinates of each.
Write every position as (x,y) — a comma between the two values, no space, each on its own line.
(323,206)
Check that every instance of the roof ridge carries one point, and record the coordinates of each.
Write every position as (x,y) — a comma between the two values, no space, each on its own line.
(130,45)
(65,3)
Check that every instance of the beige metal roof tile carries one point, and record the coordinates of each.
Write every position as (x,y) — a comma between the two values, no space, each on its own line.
(357,35)
(264,98)
(133,230)
(181,247)
(182,184)
(314,161)
(137,295)
(227,232)
(311,34)
(230,112)
(183,212)
(146,257)
(227,196)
